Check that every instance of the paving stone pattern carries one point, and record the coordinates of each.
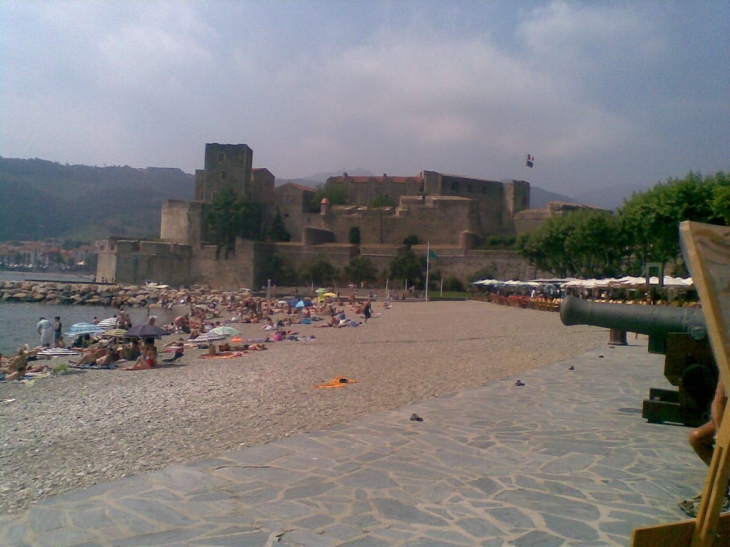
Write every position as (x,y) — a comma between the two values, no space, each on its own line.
(564,459)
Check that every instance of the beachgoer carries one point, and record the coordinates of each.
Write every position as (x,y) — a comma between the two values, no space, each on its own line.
(702,439)
(147,360)
(57,331)
(367,311)
(45,330)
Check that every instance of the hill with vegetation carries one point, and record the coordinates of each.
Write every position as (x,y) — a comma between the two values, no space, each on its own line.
(41,200)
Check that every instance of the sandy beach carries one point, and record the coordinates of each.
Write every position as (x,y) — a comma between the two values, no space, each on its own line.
(90,427)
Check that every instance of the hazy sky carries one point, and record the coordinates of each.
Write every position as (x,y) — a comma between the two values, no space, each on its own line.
(601,93)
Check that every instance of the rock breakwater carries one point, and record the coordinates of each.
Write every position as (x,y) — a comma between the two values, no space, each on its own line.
(90,294)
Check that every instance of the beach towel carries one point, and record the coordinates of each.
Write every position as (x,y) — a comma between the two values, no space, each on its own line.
(338,381)
(226,355)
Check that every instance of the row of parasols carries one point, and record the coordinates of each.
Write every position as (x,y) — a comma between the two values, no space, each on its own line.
(107,329)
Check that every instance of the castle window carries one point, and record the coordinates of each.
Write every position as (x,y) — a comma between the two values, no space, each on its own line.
(221,156)
(454,186)
(224,175)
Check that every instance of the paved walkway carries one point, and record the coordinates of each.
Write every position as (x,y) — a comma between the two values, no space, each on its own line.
(564,459)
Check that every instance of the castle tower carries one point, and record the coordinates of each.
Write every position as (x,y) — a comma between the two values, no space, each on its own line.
(227,167)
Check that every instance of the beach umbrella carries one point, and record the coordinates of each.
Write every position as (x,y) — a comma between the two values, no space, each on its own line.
(77,329)
(331,294)
(56,352)
(145,331)
(224,330)
(114,333)
(108,323)
(300,304)
(208,337)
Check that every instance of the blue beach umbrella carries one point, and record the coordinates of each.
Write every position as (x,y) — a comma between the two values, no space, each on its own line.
(77,329)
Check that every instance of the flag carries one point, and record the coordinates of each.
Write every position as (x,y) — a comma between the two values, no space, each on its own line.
(432,255)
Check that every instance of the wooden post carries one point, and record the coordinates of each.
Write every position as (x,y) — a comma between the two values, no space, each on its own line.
(706,250)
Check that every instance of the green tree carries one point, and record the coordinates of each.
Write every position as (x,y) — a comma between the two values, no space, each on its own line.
(581,243)
(280,270)
(354,236)
(410,241)
(650,220)
(335,193)
(721,197)
(383,201)
(278,231)
(230,216)
(408,267)
(361,269)
(318,271)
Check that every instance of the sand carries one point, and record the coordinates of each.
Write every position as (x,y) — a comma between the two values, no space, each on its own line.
(91,427)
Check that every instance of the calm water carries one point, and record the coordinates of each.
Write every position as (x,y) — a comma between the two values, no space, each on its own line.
(18,320)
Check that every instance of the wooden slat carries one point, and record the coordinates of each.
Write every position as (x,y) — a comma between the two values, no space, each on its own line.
(706,250)
(678,534)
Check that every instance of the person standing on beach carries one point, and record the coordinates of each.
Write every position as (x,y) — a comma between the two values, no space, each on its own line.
(45,329)
(57,331)
(367,311)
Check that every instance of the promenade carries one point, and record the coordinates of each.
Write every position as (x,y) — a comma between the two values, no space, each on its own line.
(564,459)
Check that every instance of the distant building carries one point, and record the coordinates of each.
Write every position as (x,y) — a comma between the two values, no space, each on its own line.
(453,213)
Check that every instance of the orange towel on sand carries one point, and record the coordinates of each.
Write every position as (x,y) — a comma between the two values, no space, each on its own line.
(224,355)
(339,381)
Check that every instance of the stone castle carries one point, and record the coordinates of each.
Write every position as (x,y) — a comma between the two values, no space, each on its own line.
(454,214)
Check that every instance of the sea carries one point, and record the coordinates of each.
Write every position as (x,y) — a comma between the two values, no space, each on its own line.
(18,320)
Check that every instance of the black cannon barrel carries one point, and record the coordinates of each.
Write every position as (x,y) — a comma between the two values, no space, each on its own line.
(656,321)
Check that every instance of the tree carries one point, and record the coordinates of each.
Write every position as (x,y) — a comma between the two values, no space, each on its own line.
(581,243)
(383,201)
(354,235)
(230,216)
(361,269)
(278,231)
(410,241)
(335,193)
(280,270)
(318,271)
(408,267)
(650,220)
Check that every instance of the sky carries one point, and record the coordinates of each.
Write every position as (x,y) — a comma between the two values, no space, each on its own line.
(601,93)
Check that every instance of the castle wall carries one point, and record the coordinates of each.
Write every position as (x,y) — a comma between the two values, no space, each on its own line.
(294,202)
(234,271)
(363,190)
(106,265)
(182,222)
(137,261)
(439,220)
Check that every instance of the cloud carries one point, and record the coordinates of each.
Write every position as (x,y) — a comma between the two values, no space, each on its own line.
(463,87)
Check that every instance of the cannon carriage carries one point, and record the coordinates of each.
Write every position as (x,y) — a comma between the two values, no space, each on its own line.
(678,333)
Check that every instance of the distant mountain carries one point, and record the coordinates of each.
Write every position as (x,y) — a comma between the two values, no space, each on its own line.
(611,197)
(46,200)
(539,198)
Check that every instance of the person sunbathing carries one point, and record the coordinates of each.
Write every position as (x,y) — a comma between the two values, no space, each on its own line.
(146,361)
(111,357)
(15,367)
(91,355)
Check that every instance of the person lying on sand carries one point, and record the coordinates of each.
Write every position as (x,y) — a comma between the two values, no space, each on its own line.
(145,361)
(109,358)
(90,356)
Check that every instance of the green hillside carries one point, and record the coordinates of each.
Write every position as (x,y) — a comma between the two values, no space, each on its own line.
(41,199)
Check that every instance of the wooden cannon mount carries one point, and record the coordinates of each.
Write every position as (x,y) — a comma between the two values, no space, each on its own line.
(678,333)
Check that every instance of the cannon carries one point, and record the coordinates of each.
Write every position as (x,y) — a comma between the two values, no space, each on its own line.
(678,333)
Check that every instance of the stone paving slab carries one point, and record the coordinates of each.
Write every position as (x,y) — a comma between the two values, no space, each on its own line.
(564,459)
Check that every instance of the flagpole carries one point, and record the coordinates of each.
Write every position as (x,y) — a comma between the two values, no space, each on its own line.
(428,253)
